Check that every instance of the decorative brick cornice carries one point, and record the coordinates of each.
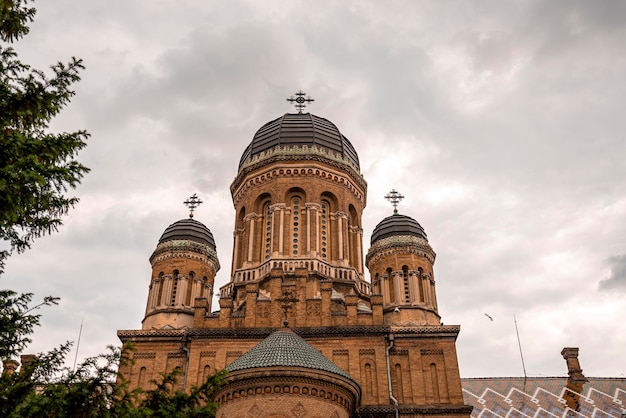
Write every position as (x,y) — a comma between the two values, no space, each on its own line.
(431,351)
(403,244)
(305,332)
(344,176)
(138,356)
(290,381)
(298,153)
(185,249)
(176,355)
(389,410)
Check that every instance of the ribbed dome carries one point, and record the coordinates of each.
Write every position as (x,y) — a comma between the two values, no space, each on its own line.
(298,130)
(188,229)
(397,225)
(284,348)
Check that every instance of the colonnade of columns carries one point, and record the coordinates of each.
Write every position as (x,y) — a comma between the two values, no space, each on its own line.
(312,232)
(407,287)
(177,290)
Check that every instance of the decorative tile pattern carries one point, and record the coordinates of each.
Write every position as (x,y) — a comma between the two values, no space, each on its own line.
(544,397)
(284,348)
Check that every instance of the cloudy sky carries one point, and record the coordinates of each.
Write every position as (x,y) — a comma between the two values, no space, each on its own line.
(502,123)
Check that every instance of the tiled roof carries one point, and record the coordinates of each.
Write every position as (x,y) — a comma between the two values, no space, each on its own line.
(300,131)
(544,396)
(396,225)
(188,229)
(285,348)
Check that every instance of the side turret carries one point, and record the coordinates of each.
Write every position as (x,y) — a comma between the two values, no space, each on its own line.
(184,265)
(400,261)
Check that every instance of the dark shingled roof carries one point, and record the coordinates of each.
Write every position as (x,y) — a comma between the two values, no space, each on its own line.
(298,129)
(284,348)
(397,225)
(188,229)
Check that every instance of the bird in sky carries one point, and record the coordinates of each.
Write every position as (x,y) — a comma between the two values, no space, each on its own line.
(489,316)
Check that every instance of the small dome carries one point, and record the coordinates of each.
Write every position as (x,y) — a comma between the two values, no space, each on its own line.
(397,225)
(188,229)
(297,130)
(284,348)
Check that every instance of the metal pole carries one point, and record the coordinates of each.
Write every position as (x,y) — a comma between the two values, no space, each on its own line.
(78,343)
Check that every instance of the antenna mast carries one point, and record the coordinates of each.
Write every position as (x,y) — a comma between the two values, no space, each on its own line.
(520,347)
(78,343)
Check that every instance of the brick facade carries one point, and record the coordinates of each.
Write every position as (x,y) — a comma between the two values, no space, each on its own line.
(298,257)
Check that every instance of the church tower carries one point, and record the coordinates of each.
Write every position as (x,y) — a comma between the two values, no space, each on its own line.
(400,262)
(299,328)
(184,265)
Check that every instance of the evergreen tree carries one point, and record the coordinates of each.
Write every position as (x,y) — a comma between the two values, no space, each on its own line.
(37,168)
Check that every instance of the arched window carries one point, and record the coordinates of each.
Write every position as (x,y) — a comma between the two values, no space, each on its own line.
(325,228)
(160,294)
(420,281)
(353,242)
(368,379)
(390,286)
(206,372)
(398,390)
(205,289)
(190,281)
(295,224)
(142,378)
(267,223)
(434,377)
(174,288)
(405,279)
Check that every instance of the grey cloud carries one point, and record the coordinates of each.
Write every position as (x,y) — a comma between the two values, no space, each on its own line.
(520,194)
(617,277)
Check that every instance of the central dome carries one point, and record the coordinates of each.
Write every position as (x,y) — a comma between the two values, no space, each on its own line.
(301,133)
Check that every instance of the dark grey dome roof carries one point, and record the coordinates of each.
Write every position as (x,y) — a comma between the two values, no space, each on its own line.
(396,225)
(284,348)
(188,229)
(299,129)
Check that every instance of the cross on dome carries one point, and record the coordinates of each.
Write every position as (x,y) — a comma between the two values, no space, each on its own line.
(299,101)
(394,197)
(192,203)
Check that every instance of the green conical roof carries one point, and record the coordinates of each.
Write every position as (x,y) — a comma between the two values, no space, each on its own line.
(284,348)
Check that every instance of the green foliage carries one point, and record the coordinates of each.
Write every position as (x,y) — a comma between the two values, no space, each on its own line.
(17,321)
(44,388)
(37,168)
(14,15)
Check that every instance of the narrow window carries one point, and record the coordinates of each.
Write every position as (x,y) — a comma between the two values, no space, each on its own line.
(190,281)
(160,295)
(174,288)
(405,278)
(268,230)
(295,224)
(399,390)
(324,228)
(420,281)
(390,286)
(206,373)
(368,379)
(435,381)
(142,378)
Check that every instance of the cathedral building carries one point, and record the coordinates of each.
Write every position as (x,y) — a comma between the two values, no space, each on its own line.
(300,330)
